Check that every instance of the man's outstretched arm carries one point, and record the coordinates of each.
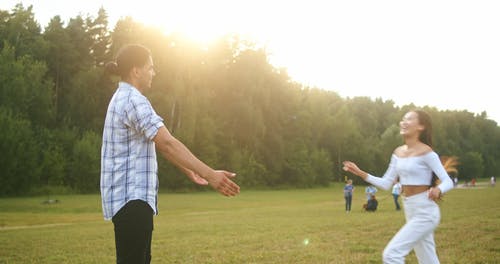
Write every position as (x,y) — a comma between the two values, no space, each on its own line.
(177,153)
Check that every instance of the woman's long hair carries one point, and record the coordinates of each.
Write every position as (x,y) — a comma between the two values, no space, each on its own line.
(425,136)
(449,163)
(424,119)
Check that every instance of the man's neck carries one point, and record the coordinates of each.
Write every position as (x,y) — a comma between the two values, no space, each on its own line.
(135,84)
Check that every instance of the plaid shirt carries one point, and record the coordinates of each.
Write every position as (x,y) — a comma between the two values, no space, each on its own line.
(129,170)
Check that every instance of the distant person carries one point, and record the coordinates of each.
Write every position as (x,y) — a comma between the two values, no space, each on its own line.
(372,204)
(132,133)
(370,192)
(396,192)
(473,182)
(414,163)
(348,191)
(455,181)
(493,181)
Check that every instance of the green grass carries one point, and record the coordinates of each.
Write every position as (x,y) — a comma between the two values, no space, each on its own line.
(286,226)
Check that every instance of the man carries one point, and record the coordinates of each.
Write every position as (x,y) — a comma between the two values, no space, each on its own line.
(129,180)
(396,192)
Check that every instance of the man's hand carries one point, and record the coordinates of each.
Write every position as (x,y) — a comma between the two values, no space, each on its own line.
(220,181)
(174,151)
(195,177)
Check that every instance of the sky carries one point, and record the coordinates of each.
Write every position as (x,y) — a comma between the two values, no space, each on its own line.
(444,54)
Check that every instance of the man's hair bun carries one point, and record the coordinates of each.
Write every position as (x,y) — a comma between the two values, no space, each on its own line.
(112,68)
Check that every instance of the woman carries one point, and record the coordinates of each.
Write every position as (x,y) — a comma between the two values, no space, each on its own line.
(414,163)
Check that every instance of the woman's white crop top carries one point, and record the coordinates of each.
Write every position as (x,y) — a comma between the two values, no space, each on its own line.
(415,170)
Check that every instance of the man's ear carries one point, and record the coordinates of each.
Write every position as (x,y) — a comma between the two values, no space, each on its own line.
(135,71)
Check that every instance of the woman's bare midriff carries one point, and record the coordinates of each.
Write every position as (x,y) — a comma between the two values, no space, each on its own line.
(409,190)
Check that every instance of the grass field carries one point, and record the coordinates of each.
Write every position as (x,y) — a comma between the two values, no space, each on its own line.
(287,226)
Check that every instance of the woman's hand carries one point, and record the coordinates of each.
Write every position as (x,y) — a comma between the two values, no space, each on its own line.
(434,194)
(351,167)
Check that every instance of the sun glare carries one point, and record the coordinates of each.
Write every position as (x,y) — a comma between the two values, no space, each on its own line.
(199,21)
(378,49)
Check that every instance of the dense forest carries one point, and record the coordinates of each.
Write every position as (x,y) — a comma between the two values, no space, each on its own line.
(225,102)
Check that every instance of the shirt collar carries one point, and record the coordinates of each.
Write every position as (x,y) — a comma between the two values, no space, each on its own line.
(126,85)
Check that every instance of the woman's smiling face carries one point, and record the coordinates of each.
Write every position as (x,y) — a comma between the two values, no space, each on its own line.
(410,124)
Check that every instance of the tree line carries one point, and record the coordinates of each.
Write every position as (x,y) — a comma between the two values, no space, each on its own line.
(226,102)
